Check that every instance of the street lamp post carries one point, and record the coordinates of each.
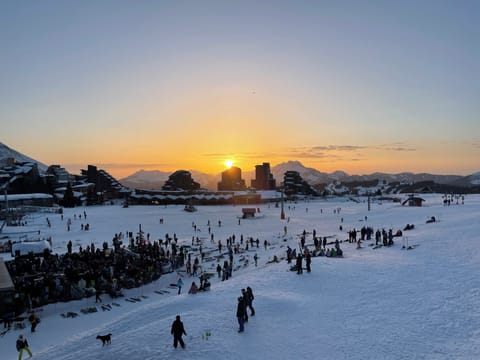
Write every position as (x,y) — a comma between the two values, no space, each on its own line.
(282,212)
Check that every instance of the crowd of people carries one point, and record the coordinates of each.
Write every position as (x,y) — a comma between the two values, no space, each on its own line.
(50,278)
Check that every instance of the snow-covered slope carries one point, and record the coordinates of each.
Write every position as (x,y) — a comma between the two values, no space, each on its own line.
(6,153)
(310,175)
(387,303)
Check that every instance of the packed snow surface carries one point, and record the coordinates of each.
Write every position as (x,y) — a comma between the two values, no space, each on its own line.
(386,303)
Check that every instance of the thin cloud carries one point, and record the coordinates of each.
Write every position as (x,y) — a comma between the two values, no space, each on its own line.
(399,149)
(116,165)
(240,156)
(396,146)
(339,147)
(307,155)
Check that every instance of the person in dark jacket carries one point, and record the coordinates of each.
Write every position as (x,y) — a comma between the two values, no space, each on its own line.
(299,264)
(22,344)
(250,298)
(177,332)
(241,311)
(308,261)
(245,303)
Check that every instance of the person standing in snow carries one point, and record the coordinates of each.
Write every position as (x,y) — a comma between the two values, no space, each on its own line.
(308,260)
(193,288)
(299,264)
(34,321)
(22,344)
(245,303)
(179,285)
(241,311)
(250,298)
(177,331)
(98,292)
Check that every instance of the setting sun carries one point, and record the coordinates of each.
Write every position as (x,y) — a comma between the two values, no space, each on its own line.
(228,163)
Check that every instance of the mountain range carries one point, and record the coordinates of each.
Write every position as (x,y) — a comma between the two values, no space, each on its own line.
(155,179)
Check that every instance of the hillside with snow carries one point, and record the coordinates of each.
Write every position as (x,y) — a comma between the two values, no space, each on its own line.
(385,303)
(8,153)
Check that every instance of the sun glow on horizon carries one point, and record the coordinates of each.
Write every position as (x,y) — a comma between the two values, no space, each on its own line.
(228,163)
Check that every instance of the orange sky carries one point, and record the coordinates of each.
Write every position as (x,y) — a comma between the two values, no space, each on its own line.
(363,87)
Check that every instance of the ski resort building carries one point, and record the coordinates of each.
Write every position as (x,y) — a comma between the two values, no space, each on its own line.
(263,178)
(232,180)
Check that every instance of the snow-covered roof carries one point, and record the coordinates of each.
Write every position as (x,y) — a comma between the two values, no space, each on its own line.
(11,197)
(5,279)
(37,247)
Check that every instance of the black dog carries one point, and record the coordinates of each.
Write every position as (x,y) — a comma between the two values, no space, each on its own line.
(106,339)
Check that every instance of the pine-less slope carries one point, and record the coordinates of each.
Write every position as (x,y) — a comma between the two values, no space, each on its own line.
(387,303)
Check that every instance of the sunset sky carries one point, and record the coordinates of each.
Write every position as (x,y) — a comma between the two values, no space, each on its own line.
(359,86)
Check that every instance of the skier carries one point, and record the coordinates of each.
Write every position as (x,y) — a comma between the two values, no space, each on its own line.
(177,332)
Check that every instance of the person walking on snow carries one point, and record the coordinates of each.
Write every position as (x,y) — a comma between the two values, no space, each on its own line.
(177,331)
(250,298)
(34,320)
(22,344)
(241,311)
(179,285)
(245,303)
(308,260)
(299,264)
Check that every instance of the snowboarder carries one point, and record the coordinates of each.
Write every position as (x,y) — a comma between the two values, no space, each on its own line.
(22,344)
(177,331)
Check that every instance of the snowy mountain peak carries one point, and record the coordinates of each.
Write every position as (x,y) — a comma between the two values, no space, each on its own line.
(7,153)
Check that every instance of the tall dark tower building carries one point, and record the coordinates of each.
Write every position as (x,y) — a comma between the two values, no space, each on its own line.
(263,178)
(232,179)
